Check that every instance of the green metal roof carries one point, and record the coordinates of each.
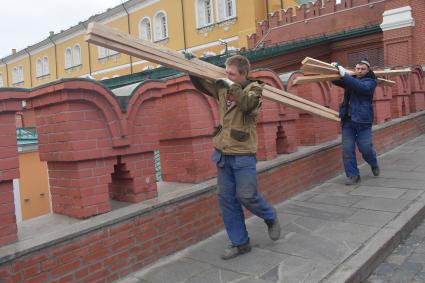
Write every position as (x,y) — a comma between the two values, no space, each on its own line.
(253,55)
(26,136)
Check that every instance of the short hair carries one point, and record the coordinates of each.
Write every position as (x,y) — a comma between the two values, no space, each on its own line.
(241,62)
(364,62)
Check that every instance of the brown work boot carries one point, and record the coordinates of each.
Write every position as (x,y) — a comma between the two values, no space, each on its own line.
(234,251)
(274,227)
(352,180)
(375,170)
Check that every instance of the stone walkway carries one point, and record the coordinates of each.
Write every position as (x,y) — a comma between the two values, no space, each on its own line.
(331,233)
(407,262)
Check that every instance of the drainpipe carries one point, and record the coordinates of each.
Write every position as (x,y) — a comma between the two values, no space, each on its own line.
(267,10)
(184,28)
(7,73)
(129,33)
(56,54)
(88,48)
(29,55)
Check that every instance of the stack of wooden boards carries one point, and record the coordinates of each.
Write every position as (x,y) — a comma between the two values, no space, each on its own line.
(113,39)
(319,71)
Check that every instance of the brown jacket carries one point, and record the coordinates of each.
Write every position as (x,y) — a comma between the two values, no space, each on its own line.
(237,134)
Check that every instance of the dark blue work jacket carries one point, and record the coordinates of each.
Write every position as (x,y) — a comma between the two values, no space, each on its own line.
(358,98)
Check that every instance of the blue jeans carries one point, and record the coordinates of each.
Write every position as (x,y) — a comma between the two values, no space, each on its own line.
(359,134)
(237,187)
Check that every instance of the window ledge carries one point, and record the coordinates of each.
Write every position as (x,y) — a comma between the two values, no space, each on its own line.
(43,77)
(228,21)
(73,68)
(21,83)
(162,40)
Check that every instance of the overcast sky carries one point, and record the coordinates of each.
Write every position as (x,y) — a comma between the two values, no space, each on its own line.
(26,22)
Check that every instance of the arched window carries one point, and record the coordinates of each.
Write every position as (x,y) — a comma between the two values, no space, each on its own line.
(14,75)
(20,74)
(68,58)
(226,9)
(204,15)
(161,29)
(39,68)
(145,29)
(76,55)
(101,52)
(46,69)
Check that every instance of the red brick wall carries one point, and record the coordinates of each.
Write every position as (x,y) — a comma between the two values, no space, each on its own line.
(114,251)
(318,21)
(9,165)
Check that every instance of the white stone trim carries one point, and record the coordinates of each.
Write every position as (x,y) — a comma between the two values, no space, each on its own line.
(142,5)
(213,43)
(17,200)
(41,48)
(397,18)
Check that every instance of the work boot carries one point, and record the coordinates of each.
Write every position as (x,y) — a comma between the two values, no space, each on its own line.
(273,227)
(234,251)
(352,180)
(375,170)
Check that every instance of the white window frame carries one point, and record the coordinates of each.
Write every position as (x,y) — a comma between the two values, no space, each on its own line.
(39,68)
(163,33)
(142,29)
(20,74)
(223,13)
(46,67)
(76,55)
(101,52)
(14,75)
(68,58)
(202,13)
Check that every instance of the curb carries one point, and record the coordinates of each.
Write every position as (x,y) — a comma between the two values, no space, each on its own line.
(360,265)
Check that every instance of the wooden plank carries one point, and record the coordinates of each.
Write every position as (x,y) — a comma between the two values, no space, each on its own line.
(274,90)
(382,73)
(320,67)
(121,42)
(313,61)
(317,69)
(324,78)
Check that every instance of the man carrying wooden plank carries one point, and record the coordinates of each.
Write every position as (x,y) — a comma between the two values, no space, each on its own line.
(356,113)
(239,101)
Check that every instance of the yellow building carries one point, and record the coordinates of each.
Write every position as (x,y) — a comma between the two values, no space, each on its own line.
(205,27)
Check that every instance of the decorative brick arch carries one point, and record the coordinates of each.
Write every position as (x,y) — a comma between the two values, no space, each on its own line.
(382,104)
(401,92)
(276,127)
(312,130)
(417,99)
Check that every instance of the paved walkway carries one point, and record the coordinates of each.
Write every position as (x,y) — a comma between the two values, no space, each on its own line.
(331,233)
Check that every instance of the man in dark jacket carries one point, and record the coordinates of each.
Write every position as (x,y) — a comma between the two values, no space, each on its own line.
(239,101)
(356,113)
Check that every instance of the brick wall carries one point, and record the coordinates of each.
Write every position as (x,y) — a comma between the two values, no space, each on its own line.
(111,252)
(10,103)
(310,20)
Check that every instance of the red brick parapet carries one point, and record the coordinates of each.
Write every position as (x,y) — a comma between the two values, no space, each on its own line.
(311,129)
(276,122)
(417,83)
(401,92)
(10,103)
(315,19)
